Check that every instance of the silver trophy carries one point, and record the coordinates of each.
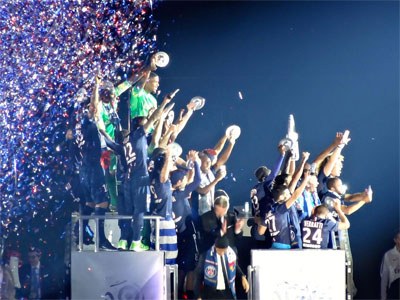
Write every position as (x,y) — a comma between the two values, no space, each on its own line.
(294,137)
(233,132)
(199,102)
(287,143)
(162,59)
(176,149)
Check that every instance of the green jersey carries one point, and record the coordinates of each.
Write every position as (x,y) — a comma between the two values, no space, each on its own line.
(141,102)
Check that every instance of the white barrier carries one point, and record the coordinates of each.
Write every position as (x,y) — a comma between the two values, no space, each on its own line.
(118,275)
(297,274)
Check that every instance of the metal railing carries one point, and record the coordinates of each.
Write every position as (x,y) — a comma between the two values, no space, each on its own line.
(250,275)
(171,283)
(96,219)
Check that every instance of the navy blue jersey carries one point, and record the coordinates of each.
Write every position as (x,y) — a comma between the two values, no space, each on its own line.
(181,209)
(328,200)
(316,232)
(295,231)
(260,200)
(265,204)
(91,144)
(162,198)
(91,173)
(136,152)
(180,200)
(277,221)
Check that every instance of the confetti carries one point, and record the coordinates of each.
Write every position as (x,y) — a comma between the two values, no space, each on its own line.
(50,52)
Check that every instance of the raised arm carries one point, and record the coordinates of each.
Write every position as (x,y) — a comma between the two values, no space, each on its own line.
(157,113)
(277,166)
(220,144)
(365,196)
(299,171)
(166,169)
(336,148)
(348,210)
(220,175)
(194,157)
(297,193)
(184,119)
(95,99)
(344,222)
(225,155)
(166,138)
(155,140)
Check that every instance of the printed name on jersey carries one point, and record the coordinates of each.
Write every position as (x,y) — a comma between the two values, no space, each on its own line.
(312,224)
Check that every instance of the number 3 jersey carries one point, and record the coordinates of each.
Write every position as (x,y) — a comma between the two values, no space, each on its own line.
(316,232)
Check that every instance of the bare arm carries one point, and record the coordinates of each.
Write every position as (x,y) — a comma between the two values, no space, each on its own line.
(365,196)
(220,145)
(204,190)
(184,119)
(335,148)
(291,167)
(297,193)
(157,113)
(95,99)
(344,222)
(164,175)
(299,172)
(225,155)
(166,138)
(336,142)
(348,210)
(155,141)
(261,229)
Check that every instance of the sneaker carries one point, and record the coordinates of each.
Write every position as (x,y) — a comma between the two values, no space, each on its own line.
(112,208)
(106,245)
(138,247)
(122,245)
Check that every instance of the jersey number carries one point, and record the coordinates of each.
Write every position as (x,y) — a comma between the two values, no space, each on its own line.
(130,155)
(271,223)
(316,236)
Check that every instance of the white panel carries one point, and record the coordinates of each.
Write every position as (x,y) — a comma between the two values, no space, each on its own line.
(299,274)
(117,275)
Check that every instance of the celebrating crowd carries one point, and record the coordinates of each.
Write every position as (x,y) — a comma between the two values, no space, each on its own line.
(140,170)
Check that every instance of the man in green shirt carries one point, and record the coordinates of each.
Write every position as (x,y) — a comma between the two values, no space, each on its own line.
(142,100)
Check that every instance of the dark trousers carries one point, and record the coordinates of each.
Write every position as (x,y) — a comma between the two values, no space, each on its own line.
(212,293)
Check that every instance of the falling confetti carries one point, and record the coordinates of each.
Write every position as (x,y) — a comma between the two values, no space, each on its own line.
(50,51)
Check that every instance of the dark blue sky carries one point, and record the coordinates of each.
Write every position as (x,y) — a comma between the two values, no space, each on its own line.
(334,65)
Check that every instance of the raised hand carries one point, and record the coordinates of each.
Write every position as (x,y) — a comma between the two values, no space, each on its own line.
(305,155)
(368,193)
(239,225)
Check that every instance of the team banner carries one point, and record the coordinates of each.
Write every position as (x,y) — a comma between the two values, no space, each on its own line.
(117,275)
(299,274)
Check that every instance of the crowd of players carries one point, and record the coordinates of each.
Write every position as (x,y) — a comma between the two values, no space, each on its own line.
(140,170)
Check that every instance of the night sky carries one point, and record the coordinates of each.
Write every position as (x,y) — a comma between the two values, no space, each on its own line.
(334,65)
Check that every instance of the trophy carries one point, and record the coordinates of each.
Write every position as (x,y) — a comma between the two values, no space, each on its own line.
(233,132)
(176,149)
(291,140)
(198,101)
(162,59)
